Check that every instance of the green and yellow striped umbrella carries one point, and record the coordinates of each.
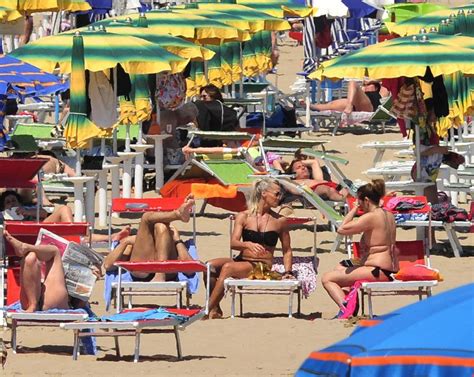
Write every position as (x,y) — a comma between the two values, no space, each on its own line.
(189,26)
(196,79)
(102,50)
(140,96)
(398,57)
(79,129)
(404,11)
(175,45)
(460,91)
(32,6)
(258,21)
(463,24)
(279,8)
(426,21)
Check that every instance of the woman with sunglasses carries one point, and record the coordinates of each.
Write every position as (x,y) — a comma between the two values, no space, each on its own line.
(255,236)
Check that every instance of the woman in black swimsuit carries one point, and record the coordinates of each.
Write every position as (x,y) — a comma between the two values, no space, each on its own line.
(255,235)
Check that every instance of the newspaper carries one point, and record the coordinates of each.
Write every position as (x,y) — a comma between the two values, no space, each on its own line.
(78,261)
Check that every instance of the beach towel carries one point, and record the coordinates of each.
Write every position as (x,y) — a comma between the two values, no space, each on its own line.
(205,191)
(303,270)
(153,314)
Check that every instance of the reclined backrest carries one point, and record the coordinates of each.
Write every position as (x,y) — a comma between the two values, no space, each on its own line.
(38,131)
(409,252)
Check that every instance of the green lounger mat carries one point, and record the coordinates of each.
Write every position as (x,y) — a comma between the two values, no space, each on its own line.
(252,87)
(325,156)
(24,144)
(122,132)
(37,130)
(284,142)
(58,186)
(232,172)
(214,135)
(380,115)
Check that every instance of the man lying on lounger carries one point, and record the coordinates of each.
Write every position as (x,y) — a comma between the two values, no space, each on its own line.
(156,240)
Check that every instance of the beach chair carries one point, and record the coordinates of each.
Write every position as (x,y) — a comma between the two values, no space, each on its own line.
(381,146)
(122,325)
(290,288)
(132,289)
(409,253)
(44,134)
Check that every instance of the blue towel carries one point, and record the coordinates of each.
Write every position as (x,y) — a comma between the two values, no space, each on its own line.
(88,344)
(112,276)
(159,313)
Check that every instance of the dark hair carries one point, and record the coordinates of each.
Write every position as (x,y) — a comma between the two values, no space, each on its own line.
(374,190)
(289,169)
(374,83)
(213,91)
(4,195)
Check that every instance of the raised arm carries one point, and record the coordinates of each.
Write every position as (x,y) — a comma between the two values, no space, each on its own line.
(349,226)
(120,253)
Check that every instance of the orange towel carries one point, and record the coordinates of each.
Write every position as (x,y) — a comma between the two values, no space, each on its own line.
(205,191)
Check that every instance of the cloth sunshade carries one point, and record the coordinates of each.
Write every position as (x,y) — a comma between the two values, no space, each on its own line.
(404,11)
(102,50)
(280,8)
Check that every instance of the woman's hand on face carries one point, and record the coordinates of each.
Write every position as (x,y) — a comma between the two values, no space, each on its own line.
(23,211)
(255,248)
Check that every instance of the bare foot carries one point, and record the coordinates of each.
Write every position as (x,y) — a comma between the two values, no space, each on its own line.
(215,314)
(19,247)
(125,232)
(184,210)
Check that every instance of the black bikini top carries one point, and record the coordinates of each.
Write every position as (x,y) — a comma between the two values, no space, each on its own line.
(269,238)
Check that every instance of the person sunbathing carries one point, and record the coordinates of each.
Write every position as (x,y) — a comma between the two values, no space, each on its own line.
(365,97)
(255,235)
(36,295)
(308,172)
(156,240)
(377,244)
(13,207)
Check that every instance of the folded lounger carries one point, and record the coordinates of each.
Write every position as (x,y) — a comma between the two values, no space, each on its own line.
(136,327)
(279,287)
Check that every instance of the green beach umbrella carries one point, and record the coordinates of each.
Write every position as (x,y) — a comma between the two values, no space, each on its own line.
(189,26)
(196,80)
(404,11)
(407,56)
(279,8)
(175,45)
(140,95)
(426,21)
(215,71)
(102,50)
(79,129)
(258,21)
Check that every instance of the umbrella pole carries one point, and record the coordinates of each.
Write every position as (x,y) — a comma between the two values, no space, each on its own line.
(417,151)
(114,134)
(78,163)
(56,109)
(127,138)
(241,85)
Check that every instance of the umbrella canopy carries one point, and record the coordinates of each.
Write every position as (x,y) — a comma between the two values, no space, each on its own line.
(404,11)
(175,45)
(258,21)
(406,56)
(410,342)
(358,8)
(426,21)
(189,26)
(79,129)
(31,6)
(280,8)
(102,50)
(333,8)
(26,79)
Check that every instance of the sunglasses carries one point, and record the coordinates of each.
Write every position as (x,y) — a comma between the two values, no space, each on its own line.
(278,194)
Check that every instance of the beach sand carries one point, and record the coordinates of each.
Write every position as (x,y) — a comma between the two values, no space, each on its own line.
(265,342)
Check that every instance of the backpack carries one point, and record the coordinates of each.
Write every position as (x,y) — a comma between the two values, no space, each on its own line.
(215,116)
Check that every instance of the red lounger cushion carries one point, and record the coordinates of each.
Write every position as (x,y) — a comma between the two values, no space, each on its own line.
(417,272)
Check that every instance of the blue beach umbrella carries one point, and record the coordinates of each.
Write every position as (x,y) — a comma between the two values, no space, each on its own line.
(25,79)
(433,337)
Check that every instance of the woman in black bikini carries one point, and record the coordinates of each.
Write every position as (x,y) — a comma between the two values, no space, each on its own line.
(377,244)
(255,235)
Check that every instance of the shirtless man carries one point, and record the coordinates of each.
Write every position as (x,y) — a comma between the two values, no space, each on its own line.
(309,173)
(378,257)
(156,240)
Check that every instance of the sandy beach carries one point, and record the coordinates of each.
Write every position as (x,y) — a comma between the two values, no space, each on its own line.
(263,343)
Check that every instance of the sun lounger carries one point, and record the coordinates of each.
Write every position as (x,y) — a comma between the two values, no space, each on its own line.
(45,134)
(134,328)
(275,287)
(290,145)
(116,327)
(381,146)
(409,253)
(51,318)
(391,173)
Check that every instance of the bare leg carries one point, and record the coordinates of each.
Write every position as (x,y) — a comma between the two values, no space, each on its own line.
(62,214)
(229,269)
(55,293)
(164,247)
(336,105)
(357,99)
(144,248)
(330,193)
(123,233)
(216,266)
(336,280)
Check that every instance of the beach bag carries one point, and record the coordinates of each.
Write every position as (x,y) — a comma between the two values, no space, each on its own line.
(215,116)
(352,302)
(456,214)
(453,159)
(439,212)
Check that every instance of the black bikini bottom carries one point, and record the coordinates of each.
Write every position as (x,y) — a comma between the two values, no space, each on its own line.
(144,279)
(376,273)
